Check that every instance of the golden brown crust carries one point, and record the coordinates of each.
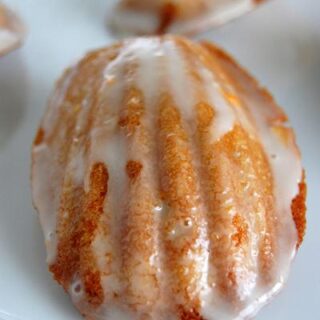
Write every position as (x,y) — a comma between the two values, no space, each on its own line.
(67,263)
(179,191)
(189,314)
(88,225)
(39,137)
(134,169)
(130,118)
(67,260)
(277,117)
(139,228)
(299,209)
(72,198)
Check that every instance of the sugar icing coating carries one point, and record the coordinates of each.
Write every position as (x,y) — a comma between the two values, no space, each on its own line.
(168,183)
(177,16)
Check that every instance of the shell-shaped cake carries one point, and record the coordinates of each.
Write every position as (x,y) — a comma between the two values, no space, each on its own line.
(176,16)
(168,184)
(11,30)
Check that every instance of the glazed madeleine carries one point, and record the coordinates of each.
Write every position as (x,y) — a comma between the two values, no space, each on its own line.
(178,16)
(168,184)
(11,30)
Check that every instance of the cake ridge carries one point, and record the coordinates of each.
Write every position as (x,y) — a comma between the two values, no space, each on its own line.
(69,255)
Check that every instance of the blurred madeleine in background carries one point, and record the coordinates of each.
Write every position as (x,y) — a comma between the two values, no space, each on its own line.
(12,30)
(176,16)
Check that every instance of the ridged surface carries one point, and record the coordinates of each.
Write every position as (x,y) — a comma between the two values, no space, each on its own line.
(11,30)
(178,16)
(158,175)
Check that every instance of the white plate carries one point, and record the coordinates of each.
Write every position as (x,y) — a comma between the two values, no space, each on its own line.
(279,43)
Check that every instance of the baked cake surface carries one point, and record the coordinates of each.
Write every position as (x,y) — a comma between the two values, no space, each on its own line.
(168,184)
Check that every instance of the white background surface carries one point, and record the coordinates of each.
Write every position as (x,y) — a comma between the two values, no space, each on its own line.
(279,43)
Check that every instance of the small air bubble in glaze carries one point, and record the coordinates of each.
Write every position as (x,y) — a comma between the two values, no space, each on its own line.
(158,208)
(50,236)
(110,78)
(194,209)
(187,223)
(76,288)
(237,154)
(159,54)
(134,100)
(256,194)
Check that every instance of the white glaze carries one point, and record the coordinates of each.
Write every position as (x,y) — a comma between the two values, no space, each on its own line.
(46,194)
(44,198)
(162,68)
(178,82)
(225,118)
